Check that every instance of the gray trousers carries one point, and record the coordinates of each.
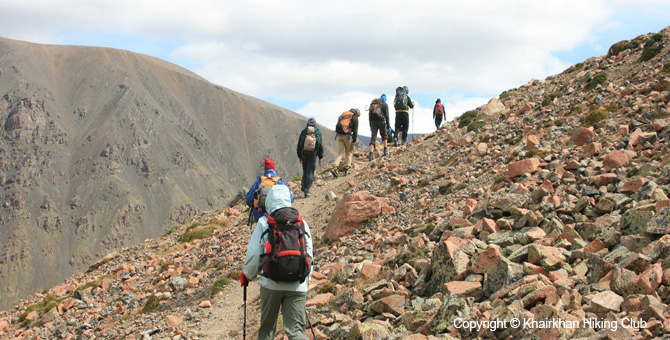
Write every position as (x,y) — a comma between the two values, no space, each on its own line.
(292,306)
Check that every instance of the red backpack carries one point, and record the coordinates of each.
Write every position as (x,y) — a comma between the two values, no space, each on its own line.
(439,109)
(286,258)
(344,123)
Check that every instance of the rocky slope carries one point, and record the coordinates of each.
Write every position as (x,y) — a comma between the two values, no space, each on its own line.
(553,212)
(103,148)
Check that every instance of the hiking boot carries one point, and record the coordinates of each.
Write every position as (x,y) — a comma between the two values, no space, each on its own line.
(386,151)
(370,156)
(346,169)
(306,194)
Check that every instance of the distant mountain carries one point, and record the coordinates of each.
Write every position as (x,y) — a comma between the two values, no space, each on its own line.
(102,148)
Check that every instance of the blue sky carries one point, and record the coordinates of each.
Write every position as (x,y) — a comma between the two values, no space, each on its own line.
(322,58)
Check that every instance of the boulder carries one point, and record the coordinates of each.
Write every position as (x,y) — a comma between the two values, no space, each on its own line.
(353,210)
(518,168)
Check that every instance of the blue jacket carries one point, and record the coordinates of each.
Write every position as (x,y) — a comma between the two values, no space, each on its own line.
(252,192)
(278,197)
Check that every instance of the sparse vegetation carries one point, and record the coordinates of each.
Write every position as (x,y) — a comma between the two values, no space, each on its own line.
(549,98)
(622,46)
(151,304)
(666,69)
(651,49)
(466,118)
(170,231)
(503,96)
(594,117)
(599,79)
(662,86)
(219,284)
(577,109)
(96,283)
(475,126)
(48,303)
(198,233)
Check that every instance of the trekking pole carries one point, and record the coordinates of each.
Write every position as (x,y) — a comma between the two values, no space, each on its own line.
(244,304)
(310,325)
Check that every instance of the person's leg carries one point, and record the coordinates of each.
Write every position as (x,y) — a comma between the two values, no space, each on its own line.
(405,127)
(398,128)
(341,149)
(349,145)
(293,311)
(308,172)
(305,172)
(270,302)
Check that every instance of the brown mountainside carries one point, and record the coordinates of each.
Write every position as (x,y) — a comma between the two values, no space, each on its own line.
(103,148)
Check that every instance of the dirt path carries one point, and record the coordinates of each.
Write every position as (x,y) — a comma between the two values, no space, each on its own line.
(226,317)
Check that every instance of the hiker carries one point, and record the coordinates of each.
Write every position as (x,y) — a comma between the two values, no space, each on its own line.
(379,121)
(389,133)
(438,113)
(309,148)
(347,133)
(402,103)
(269,179)
(276,294)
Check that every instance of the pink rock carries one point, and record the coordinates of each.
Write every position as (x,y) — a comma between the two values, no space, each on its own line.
(320,300)
(532,142)
(354,210)
(583,136)
(623,130)
(4,326)
(662,204)
(633,185)
(648,281)
(489,225)
(205,304)
(529,165)
(470,205)
(172,321)
(482,149)
(615,159)
(485,262)
(394,304)
(634,137)
(370,270)
(457,221)
(605,179)
(462,287)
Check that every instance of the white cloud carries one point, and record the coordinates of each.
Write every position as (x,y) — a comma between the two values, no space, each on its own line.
(338,54)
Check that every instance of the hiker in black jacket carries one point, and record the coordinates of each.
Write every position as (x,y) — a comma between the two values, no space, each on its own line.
(309,148)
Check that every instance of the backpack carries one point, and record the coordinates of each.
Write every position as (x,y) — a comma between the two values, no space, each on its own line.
(344,122)
(376,108)
(310,139)
(400,100)
(286,258)
(439,109)
(262,191)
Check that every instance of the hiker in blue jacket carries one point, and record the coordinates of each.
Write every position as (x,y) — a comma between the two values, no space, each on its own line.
(290,297)
(270,170)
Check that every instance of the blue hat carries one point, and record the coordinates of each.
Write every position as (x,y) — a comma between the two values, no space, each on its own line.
(383,96)
(311,121)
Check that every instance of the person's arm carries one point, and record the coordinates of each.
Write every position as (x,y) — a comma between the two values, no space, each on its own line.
(301,141)
(410,103)
(385,111)
(252,262)
(354,128)
(252,193)
(308,241)
(320,146)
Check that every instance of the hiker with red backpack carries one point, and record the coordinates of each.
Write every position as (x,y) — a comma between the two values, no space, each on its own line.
(402,103)
(438,113)
(309,148)
(258,192)
(281,249)
(346,131)
(379,121)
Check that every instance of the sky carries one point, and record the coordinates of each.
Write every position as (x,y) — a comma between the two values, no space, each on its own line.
(320,58)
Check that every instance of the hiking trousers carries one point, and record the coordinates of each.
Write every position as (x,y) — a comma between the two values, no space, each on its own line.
(402,125)
(292,306)
(308,168)
(345,148)
(438,121)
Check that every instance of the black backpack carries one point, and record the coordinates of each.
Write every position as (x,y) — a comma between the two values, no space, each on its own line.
(286,258)
(400,100)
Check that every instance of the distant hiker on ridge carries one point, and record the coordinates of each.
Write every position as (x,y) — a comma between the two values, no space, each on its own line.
(347,133)
(259,190)
(309,148)
(438,113)
(286,265)
(379,120)
(402,103)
